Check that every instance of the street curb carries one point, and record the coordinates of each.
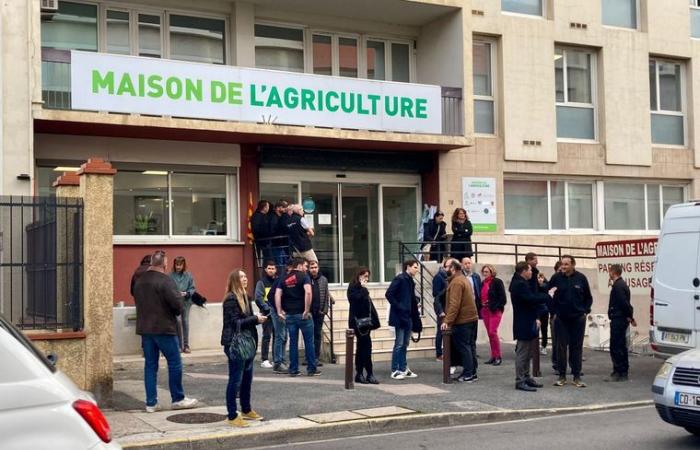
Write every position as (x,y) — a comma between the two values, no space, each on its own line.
(254,438)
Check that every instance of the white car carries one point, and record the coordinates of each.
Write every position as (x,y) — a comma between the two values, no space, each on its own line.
(39,406)
(676,391)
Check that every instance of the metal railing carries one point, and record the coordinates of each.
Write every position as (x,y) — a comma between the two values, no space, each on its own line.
(452,112)
(279,250)
(41,262)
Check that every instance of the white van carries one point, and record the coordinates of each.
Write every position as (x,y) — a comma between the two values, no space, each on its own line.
(675,293)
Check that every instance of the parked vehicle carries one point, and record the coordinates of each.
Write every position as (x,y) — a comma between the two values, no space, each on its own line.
(675,293)
(676,391)
(39,406)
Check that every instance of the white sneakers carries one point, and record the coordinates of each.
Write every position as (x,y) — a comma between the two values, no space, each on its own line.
(152,409)
(398,375)
(453,369)
(543,351)
(266,364)
(186,403)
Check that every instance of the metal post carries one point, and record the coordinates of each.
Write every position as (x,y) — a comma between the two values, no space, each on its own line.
(349,357)
(476,252)
(516,253)
(446,356)
(535,349)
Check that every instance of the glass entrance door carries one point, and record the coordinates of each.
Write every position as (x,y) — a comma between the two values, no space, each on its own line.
(325,220)
(360,229)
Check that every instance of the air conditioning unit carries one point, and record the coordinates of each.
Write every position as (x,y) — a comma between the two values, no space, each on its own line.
(49,5)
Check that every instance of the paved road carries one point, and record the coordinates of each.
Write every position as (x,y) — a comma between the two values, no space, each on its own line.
(638,428)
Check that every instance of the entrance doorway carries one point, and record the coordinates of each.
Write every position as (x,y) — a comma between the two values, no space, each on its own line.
(358,221)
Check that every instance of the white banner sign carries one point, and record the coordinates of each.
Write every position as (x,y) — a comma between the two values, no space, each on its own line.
(131,84)
(479,200)
(636,258)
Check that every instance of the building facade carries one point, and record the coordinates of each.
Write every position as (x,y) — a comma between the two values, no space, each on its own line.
(552,122)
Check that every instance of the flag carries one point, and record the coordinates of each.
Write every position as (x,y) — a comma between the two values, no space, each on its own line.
(251,209)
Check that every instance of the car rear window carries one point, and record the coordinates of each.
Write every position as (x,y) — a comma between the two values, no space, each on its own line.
(26,343)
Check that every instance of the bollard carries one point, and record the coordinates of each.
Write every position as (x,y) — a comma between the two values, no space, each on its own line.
(349,357)
(446,356)
(535,349)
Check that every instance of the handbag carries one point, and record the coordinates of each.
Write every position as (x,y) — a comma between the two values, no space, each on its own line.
(426,248)
(366,323)
(242,346)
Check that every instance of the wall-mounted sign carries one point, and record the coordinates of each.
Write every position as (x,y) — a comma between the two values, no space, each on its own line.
(309,205)
(479,200)
(132,84)
(636,258)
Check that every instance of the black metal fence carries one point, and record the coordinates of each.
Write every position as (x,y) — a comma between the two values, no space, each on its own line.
(41,262)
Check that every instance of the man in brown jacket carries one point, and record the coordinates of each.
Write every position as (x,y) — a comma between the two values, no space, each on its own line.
(461,316)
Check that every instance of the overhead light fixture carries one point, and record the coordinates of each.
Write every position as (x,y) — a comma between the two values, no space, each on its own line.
(66,169)
(155,172)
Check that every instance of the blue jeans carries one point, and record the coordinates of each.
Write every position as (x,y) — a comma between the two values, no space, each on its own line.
(398,356)
(153,345)
(280,338)
(240,374)
(294,324)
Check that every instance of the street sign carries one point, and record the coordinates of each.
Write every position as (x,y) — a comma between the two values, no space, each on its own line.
(637,260)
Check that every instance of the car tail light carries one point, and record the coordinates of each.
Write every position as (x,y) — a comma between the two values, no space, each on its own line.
(651,308)
(94,417)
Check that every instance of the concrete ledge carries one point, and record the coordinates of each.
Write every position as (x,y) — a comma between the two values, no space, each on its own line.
(299,430)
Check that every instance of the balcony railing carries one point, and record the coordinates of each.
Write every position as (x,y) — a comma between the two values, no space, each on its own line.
(56,93)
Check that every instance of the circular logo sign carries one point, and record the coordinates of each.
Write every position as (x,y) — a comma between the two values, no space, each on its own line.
(309,205)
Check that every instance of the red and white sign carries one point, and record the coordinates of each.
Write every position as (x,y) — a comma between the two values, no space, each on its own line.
(636,258)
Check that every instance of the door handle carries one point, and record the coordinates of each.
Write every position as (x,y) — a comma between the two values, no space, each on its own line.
(660,304)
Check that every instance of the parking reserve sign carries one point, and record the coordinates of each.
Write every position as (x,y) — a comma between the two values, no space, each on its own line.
(131,84)
(637,260)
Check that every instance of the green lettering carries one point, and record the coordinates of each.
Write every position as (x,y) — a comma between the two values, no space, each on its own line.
(155,90)
(218,92)
(126,86)
(100,82)
(291,97)
(406,107)
(347,104)
(253,100)
(374,99)
(307,99)
(173,87)
(360,109)
(193,89)
(389,108)
(235,93)
(332,107)
(142,83)
(319,101)
(274,98)
(421,108)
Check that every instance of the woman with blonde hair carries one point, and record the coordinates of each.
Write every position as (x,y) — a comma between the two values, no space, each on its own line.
(239,319)
(493,302)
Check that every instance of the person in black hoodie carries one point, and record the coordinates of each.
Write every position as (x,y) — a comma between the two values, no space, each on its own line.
(439,291)
(436,230)
(361,306)
(262,289)
(238,318)
(571,304)
(621,314)
(526,308)
(259,224)
(277,224)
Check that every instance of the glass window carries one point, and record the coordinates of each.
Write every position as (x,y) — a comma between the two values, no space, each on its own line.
(653,207)
(400,66)
(667,102)
(624,206)
(279,48)
(525,205)
(558,204)
(695,18)
(672,196)
(532,7)
(484,101)
(118,32)
(376,60)
(197,39)
(580,201)
(573,74)
(141,198)
(74,26)
(149,36)
(347,57)
(400,224)
(323,55)
(199,204)
(620,13)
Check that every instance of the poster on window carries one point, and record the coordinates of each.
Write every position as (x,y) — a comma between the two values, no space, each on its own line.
(479,200)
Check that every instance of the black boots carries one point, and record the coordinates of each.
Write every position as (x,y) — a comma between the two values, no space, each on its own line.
(371,380)
(359,378)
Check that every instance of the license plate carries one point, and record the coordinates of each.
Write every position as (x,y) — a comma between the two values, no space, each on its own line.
(676,338)
(688,400)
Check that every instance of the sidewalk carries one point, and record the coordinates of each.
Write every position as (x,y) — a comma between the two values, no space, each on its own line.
(422,401)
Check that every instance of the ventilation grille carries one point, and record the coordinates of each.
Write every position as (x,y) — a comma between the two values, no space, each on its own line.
(579,26)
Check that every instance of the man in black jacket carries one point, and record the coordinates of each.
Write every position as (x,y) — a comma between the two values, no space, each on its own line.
(621,315)
(536,286)
(526,307)
(158,303)
(572,303)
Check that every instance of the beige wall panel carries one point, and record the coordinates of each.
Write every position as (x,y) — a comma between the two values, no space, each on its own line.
(668,25)
(243,53)
(490,22)
(78,148)
(624,96)
(528,89)
(575,11)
